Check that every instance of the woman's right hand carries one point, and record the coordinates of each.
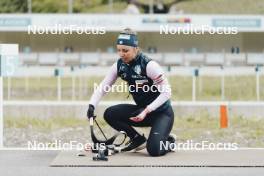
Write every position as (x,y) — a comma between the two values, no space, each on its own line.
(90,112)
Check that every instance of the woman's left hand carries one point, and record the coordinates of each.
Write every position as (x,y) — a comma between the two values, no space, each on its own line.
(140,117)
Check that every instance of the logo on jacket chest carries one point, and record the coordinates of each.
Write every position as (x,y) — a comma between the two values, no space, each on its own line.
(137,73)
(137,69)
(134,72)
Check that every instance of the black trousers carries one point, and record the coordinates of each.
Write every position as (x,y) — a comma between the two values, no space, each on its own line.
(160,122)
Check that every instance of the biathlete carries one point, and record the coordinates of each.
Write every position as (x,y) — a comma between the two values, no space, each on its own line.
(151,92)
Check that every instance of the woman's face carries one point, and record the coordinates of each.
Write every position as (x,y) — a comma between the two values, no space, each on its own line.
(127,53)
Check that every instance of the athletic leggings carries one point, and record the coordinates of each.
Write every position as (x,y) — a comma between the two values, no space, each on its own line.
(160,122)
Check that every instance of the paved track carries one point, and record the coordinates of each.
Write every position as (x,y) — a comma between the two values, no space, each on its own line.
(27,163)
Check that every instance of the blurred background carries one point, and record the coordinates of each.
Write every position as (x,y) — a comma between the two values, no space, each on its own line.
(47,97)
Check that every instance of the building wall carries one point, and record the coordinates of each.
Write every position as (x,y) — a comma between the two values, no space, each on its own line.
(253,42)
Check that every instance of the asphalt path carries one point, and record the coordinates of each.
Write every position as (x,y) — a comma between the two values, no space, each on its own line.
(27,163)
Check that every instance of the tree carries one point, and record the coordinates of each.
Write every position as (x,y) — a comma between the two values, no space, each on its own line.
(13,6)
(49,6)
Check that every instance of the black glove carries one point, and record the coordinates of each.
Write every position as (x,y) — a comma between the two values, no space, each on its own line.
(90,112)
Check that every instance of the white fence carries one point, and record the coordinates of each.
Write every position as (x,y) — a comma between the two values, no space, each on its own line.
(166,59)
(78,109)
(77,86)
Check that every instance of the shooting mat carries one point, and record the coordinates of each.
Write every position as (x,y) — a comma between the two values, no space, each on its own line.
(237,158)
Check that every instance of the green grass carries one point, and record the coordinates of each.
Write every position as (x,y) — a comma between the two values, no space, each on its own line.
(207,88)
(188,6)
(195,127)
(101,6)
(43,124)
(247,132)
(222,6)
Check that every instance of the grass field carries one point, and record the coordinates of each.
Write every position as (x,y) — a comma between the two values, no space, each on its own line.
(188,6)
(207,88)
(222,6)
(118,6)
(245,132)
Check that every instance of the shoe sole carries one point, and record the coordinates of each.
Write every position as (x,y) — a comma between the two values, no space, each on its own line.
(141,147)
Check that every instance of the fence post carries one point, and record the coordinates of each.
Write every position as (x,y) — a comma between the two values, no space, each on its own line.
(26,83)
(59,87)
(222,84)
(257,83)
(223,116)
(73,87)
(200,85)
(1,108)
(80,87)
(58,73)
(8,87)
(195,74)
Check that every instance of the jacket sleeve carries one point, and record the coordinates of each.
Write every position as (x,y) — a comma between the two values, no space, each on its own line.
(107,82)
(155,72)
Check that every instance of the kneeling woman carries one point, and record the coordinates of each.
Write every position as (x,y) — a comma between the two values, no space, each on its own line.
(151,93)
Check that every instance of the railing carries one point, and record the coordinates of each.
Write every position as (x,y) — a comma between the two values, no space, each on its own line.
(166,59)
(196,85)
